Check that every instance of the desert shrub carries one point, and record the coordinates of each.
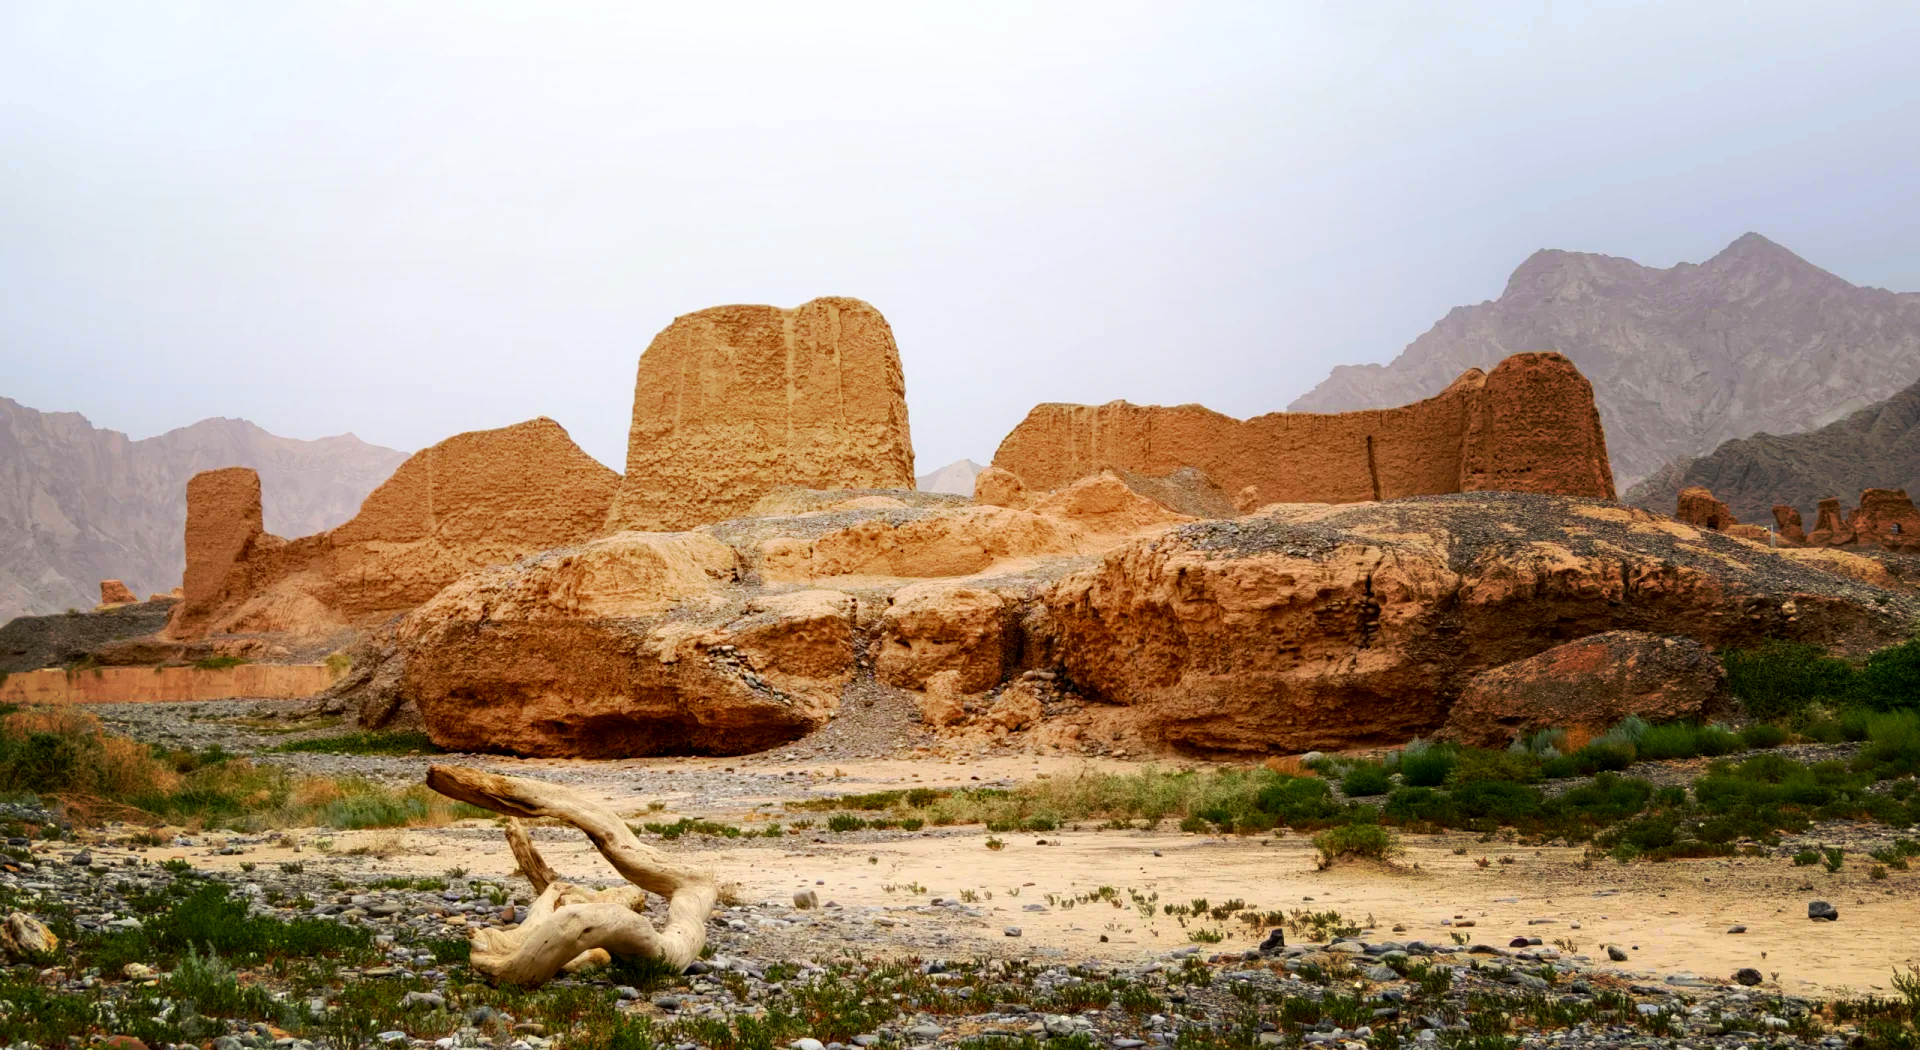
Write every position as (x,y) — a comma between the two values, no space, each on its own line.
(1854,723)
(64,752)
(1672,740)
(1367,841)
(1428,765)
(1544,743)
(1784,680)
(1476,764)
(1762,735)
(1893,745)
(1421,805)
(1608,799)
(1366,778)
(1890,681)
(1498,801)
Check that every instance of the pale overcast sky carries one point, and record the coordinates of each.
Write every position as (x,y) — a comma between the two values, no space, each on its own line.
(409,220)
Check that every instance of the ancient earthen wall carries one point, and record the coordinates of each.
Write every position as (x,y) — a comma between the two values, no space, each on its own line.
(1886,518)
(1698,507)
(140,685)
(1529,426)
(732,402)
(476,499)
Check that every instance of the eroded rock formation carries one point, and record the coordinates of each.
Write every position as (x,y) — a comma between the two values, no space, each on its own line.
(1328,627)
(113,592)
(732,402)
(1591,684)
(1528,426)
(1698,508)
(1886,520)
(473,500)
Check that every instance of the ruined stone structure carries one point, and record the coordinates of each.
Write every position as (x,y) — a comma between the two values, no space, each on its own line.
(735,401)
(1886,519)
(476,499)
(1528,426)
(1698,508)
(114,592)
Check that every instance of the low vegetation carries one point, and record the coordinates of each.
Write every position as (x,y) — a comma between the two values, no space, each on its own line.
(363,743)
(58,752)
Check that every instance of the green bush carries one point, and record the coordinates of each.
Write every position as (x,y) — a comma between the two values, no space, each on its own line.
(1891,679)
(1475,764)
(1417,805)
(1761,735)
(1499,801)
(1427,766)
(1783,680)
(1366,778)
(1893,745)
(1368,841)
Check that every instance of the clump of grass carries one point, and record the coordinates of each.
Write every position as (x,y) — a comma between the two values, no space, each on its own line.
(1365,841)
(363,743)
(1365,779)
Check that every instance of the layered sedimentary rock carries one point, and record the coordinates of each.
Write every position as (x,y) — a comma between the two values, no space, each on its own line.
(473,500)
(732,402)
(1326,627)
(1528,426)
(1592,684)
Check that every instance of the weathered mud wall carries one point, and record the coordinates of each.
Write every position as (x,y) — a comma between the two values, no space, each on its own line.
(732,402)
(1529,426)
(142,685)
(476,499)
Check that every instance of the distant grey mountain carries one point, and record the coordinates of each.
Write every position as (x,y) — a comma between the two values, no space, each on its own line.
(955,478)
(79,504)
(1682,359)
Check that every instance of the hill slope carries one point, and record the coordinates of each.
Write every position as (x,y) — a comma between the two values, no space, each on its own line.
(79,504)
(955,478)
(1876,447)
(1682,359)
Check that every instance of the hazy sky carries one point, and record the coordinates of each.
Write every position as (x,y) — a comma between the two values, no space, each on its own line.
(408,220)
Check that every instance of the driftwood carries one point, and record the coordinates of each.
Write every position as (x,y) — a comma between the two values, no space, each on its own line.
(567,926)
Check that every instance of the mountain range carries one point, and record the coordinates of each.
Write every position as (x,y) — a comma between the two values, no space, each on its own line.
(79,504)
(1876,447)
(1755,339)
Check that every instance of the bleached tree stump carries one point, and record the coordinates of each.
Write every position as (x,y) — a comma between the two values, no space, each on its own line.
(568,927)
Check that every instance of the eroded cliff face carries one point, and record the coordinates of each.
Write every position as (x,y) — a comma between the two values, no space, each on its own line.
(735,401)
(1329,627)
(476,499)
(1529,426)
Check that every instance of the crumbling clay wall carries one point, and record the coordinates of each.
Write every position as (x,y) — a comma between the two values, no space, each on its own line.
(166,685)
(476,499)
(735,401)
(1529,426)
(1886,519)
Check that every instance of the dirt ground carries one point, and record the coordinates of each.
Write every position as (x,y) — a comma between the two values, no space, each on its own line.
(1672,918)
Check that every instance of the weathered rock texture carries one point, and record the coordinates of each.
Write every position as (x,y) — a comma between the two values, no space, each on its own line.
(1327,627)
(737,400)
(79,504)
(30,642)
(113,592)
(141,685)
(1698,508)
(1592,684)
(1753,340)
(1528,426)
(473,500)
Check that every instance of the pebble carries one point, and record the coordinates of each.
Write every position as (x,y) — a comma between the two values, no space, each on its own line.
(1616,953)
(1013,931)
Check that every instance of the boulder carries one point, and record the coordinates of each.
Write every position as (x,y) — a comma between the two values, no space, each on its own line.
(1315,626)
(1529,425)
(943,704)
(941,626)
(1591,684)
(629,645)
(24,938)
(113,592)
(995,487)
(734,401)
(1017,708)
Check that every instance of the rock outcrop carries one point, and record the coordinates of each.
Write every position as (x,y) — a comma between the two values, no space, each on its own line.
(1591,684)
(114,592)
(79,503)
(1527,426)
(1886,519)
(1683,359)
(1324,627)
(732,402)
(473,500)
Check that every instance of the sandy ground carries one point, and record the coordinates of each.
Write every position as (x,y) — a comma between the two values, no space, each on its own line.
(1672,918)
